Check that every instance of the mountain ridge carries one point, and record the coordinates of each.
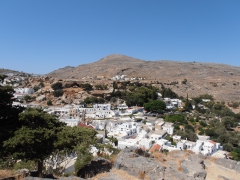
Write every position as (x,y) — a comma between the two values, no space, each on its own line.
(220,80)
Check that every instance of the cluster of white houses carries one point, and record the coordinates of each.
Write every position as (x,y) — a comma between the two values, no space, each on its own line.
(132,131)
(124,78)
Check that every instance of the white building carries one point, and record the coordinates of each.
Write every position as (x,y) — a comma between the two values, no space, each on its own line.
(70,122)
(157,135)
(24,91)
(169,127)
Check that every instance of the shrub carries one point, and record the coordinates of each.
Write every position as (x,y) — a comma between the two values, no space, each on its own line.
(235,104)
(49,102)
(87,87)
(41,84)
(57,86)
(58,93)
(203,123)
(30,165)
(184,81)
(27,98)
(36,88)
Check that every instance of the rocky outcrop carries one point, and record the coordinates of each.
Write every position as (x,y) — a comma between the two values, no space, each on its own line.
(192,168)
(137,165)
(237,167)
(227,163)
(41,98)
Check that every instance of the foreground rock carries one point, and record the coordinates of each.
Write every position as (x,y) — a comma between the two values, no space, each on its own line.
(151,168)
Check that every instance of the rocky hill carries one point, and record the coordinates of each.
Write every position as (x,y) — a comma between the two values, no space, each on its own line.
(192,78)
(176,165)
(2,71)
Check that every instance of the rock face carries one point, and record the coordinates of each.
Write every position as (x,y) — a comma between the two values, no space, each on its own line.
(184,166)
(237,167)
(41,98)
(227,163)
(139,166)
(148,167)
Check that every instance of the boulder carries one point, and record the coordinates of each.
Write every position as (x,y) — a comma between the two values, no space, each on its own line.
(227,163)
(137,165)
(194,169)
(41,98)
(237,167)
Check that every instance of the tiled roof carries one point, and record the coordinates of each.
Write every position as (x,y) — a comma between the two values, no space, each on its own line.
(155,147)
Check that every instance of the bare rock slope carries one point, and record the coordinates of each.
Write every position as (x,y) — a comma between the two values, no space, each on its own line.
(222,81)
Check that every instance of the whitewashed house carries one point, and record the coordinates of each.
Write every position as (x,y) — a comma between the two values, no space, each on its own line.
(70,122)
(169,127)
(157,135)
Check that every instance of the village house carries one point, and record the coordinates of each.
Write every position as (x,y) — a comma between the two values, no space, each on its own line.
(169,127)
(172,103)
(157,135)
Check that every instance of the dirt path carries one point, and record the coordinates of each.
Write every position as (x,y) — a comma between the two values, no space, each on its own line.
(214,171)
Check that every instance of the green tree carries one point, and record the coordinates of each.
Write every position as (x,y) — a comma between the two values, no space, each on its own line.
(9,121)
(155,105)
(167,92)
(188,105)
(58,93)
(27,98)
(35,139)
(36,88)
(2,77)
(76,139)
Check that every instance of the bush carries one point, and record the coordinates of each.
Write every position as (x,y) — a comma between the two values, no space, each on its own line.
(203,123)
(49,102)
(36,88)
(27,98)
(235,104)
(41,84)
(30,165)
(86,87)
(184,81)
(101,87)
(57,86)
(227,147)
(58,93)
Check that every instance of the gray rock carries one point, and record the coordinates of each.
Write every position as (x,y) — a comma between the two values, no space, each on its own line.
(223,178)
(41,98)
(227,163)
(134,165)
(237,167)
(36,178)
(26,171)
(71,178)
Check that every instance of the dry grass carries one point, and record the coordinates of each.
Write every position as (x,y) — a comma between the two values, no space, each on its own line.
(189,152)
(141,175)
(119,174)
(113,159)
(6,173)
(213,159)
(180,165)
(159,156)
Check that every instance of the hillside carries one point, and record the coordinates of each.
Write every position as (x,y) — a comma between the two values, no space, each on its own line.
(11,71)
(221,81)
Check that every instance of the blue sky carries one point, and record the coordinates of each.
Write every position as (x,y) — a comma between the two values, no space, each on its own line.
(44,35)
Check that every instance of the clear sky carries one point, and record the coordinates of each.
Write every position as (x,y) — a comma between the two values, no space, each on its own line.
(39,36)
